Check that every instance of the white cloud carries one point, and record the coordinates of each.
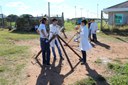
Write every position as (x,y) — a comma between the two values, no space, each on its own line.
(55,0)
(18,5)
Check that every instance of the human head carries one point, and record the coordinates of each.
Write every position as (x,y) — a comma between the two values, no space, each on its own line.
(93,20)
(43,21)
(83,22)
(54,21)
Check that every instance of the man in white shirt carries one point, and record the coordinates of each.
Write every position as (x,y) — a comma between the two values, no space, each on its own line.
(54,29)
(94,28)
(44,43)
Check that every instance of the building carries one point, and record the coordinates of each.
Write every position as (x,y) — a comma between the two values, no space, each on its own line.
(117,14)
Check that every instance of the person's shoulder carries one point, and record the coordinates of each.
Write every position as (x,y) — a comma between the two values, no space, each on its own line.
(42,26)
(51,25)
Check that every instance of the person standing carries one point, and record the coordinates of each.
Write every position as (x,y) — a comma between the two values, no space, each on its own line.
(84,43)
(89,24)
(94,28)
(54,29)
(36,27)
(44,42)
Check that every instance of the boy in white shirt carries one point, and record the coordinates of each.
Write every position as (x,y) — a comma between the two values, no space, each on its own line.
(94,28)
(44,43)
(54,29)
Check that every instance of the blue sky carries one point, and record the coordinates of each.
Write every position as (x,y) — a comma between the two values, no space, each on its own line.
(39,7)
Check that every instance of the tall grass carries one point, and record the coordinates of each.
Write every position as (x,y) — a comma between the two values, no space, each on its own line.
(13,57)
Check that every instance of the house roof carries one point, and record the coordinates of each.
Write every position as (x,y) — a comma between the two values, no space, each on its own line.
(119,7)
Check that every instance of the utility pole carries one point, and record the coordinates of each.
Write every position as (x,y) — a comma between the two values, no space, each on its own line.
(97,10)
(2,16)
(81,11)
(48,12)
(75,11)
(1,9)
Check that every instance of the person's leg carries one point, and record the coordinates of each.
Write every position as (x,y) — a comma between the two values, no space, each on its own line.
(53,51)
(59,50)
(47,45)
(90,34)
(84,56)
(42,44)
(94,37)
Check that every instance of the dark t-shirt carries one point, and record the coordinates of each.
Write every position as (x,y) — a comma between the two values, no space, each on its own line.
(89,24)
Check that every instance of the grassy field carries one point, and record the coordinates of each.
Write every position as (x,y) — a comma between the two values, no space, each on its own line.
(69,26)
(13,57)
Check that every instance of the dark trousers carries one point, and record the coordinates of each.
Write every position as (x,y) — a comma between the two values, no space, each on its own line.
(45,47)
(89,36)
(84,56)
(94,37)
(59,50)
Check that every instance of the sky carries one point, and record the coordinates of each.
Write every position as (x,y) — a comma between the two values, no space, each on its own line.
(71,8)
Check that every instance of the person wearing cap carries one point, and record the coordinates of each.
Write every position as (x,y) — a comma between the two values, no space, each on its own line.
(44,42)
(54,29)
(84,43)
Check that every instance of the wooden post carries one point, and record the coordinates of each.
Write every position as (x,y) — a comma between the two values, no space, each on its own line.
(62,19)
(65,52)
(41,50)
(69,46)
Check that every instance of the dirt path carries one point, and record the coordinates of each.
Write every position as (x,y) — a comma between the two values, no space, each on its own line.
(59,73)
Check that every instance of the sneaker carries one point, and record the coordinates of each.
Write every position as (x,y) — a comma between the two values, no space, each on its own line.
(61,58)
(83,63)
(48,64)
(81,60)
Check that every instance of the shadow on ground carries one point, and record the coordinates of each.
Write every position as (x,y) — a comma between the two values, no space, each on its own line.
(116,32)
(99,79)
(50,75)
(102,45)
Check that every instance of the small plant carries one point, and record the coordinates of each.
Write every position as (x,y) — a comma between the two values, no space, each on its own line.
(112,66)
(98,61)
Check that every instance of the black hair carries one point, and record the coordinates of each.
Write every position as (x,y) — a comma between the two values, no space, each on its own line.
(54,20)
(84,21)
(43,20)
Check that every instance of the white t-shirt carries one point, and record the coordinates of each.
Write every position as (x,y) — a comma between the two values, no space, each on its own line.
(42,27)
(54,29)
(93,27)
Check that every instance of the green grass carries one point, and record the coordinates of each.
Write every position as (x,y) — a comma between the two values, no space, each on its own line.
(98,61)
(87,81)
(69,26)
(3,81)
(120,76)
(13,57)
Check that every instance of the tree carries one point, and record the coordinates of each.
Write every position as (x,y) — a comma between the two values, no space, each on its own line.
(26,22)
(11,18)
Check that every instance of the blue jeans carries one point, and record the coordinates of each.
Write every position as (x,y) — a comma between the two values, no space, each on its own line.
(45,47)
(59,50)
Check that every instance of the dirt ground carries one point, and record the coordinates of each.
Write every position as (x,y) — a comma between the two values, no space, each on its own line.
(60,73)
